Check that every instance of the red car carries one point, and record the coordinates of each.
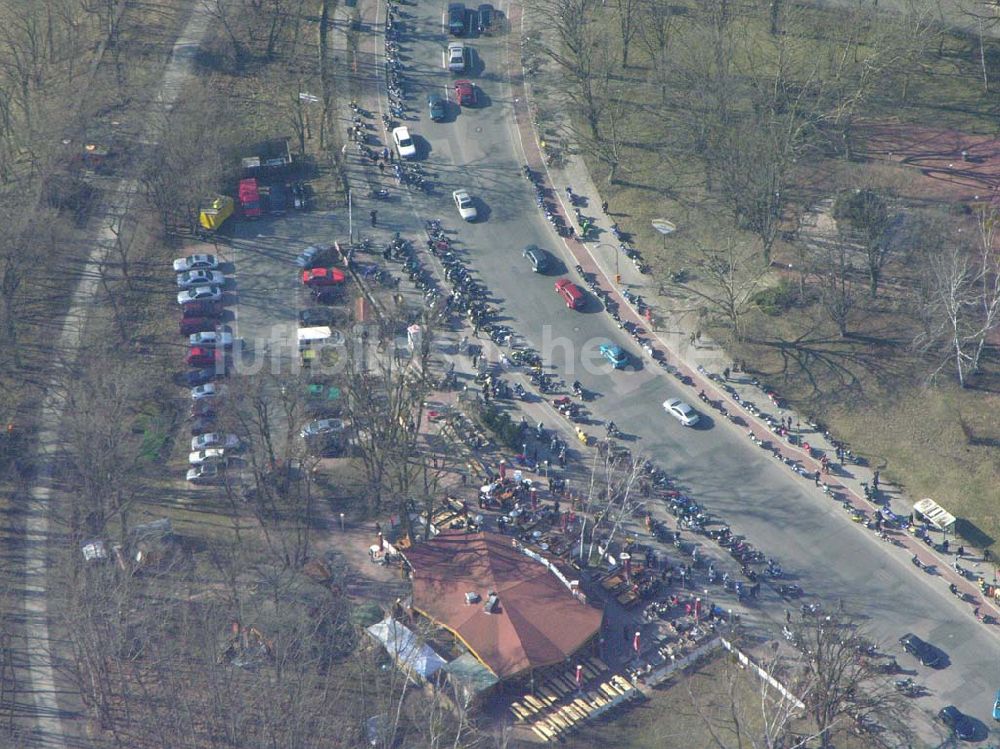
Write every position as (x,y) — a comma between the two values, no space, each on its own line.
(322,276)
(465,92)
(570,293)
(199,356)
(202,308)
(190,325)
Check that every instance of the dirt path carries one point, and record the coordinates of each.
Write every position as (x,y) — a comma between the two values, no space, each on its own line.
(48,715)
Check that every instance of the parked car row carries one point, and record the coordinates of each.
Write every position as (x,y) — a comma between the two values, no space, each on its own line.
(201,300)
(464,21)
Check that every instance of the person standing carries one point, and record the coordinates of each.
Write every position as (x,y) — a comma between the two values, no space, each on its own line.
(374,216)
(604,207)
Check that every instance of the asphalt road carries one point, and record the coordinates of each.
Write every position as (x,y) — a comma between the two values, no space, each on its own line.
(831,557)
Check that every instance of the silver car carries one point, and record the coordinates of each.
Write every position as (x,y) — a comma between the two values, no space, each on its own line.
(200,277)
(681,411)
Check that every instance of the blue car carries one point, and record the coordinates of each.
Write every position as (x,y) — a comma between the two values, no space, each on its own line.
(436,105)
(614,354)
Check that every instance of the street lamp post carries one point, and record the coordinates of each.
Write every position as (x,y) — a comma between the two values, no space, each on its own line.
(618,277)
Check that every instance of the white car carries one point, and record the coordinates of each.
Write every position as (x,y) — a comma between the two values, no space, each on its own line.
(215,439)
(208,390)
(322,426)
(200,293)
(211,455)
(456,57)
(206,473)
(211,339)
(405,146)
(195,262)
(200,278)
(681,411)
(466,208)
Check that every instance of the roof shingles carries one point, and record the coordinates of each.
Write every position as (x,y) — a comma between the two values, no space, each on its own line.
(538,622)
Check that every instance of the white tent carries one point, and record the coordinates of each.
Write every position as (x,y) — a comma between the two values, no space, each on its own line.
(403,645)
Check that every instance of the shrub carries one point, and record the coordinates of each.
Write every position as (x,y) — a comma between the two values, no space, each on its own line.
(776,299)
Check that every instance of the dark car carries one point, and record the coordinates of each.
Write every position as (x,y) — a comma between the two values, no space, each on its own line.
(436,106)
(314,316)
(278,199)
(538,258)
(456,19)
(958,722)
(200,376)
(927,654)
(204,409)
(485,18)
(189,325)
(202,308)
(202,425)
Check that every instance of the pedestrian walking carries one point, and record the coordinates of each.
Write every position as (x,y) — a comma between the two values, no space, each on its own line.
(875,479)
(725,373)
(604,207)
(816,477)
(387,154)
(374,216)
(381,167)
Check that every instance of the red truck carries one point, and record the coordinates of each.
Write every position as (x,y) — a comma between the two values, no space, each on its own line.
(250,198)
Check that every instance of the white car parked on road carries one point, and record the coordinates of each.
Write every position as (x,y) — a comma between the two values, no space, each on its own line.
(211,339)
(200,278)
(456,57)
(466,208)
(405,146)
(200,293)
(211,455)
(195,262)
(215,439)
(208,390)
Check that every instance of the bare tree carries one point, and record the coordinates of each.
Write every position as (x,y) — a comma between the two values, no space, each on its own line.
(749,712)
(628,23)
(864,216)
(609,148)
(961,298)
(843,688)
(729,279)
(830,263)
(581,51)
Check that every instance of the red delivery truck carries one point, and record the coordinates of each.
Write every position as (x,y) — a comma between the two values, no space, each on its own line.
(250,198)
